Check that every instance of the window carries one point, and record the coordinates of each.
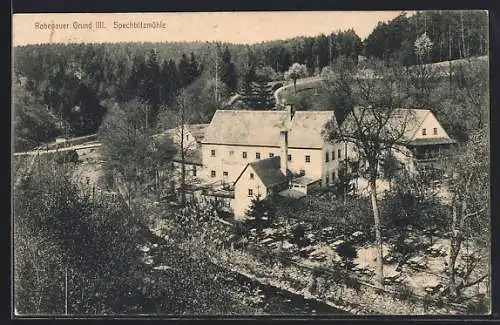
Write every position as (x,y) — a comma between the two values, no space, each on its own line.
(257,155)
(231,152)
(289,157)
(327,180)
(333,176)
(244,155)
(435,131)
(251,175)
(333,155)
(212,173)
(194,170)
(308,159)
(225,174)
(250,192)
(271,155)
(212,152)
(302,172)
(327,156)
(424,132)
(339,153)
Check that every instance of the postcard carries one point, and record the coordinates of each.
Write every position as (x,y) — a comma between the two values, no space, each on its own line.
(295,163)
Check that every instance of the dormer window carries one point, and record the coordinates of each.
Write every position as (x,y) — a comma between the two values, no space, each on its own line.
(424,132)
(435,131)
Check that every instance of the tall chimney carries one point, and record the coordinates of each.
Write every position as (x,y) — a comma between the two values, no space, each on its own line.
(284,151)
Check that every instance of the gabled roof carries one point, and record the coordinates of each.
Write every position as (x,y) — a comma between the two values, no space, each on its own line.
(268,171)
(246,127)
(409,118)
(197,130)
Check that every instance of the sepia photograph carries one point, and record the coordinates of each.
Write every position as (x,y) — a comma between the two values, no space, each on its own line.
(279,163)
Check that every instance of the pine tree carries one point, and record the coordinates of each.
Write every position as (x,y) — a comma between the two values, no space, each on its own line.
(194,67)
(257,95)
(228,70)
(170,80)
(185,71)
(152,84)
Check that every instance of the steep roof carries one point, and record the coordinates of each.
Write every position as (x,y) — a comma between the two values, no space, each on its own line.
(306,128)
(197,130)
(268,171)
(409,118)
(246,127)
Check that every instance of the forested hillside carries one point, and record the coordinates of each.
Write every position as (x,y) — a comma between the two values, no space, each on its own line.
(66,89)
(455,35)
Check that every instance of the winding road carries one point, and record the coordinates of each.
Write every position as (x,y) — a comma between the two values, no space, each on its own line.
(301,84)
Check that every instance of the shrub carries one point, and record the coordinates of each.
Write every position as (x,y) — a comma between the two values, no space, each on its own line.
(299,236)
(347,253)
(404,292)
(70,156)
(260,214)
(479,306)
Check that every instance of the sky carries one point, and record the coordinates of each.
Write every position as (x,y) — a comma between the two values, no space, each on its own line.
(234,27)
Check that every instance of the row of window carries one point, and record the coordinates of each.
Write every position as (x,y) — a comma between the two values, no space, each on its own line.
(327,155)
(257,155)
(327,181)
(213,173)
(424,131)
(327,178)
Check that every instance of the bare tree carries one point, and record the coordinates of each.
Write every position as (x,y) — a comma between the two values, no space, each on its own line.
(177,118)
(422,76)
(473,90)
(378,126)
(469,189)
(125,134)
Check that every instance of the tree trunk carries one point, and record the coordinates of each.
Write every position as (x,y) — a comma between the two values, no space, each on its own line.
(449,62)
(454,249)
(157,184)
(379,271)
(66,291)
(295,86)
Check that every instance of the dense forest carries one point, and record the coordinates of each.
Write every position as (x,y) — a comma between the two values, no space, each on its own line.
(455,34)
(66,89)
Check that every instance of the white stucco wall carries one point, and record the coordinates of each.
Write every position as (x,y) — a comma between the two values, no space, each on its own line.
(234,163)
(242,200)
(429,123)
(189,139)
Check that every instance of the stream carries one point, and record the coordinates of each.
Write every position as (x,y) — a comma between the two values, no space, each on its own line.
(270,299)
